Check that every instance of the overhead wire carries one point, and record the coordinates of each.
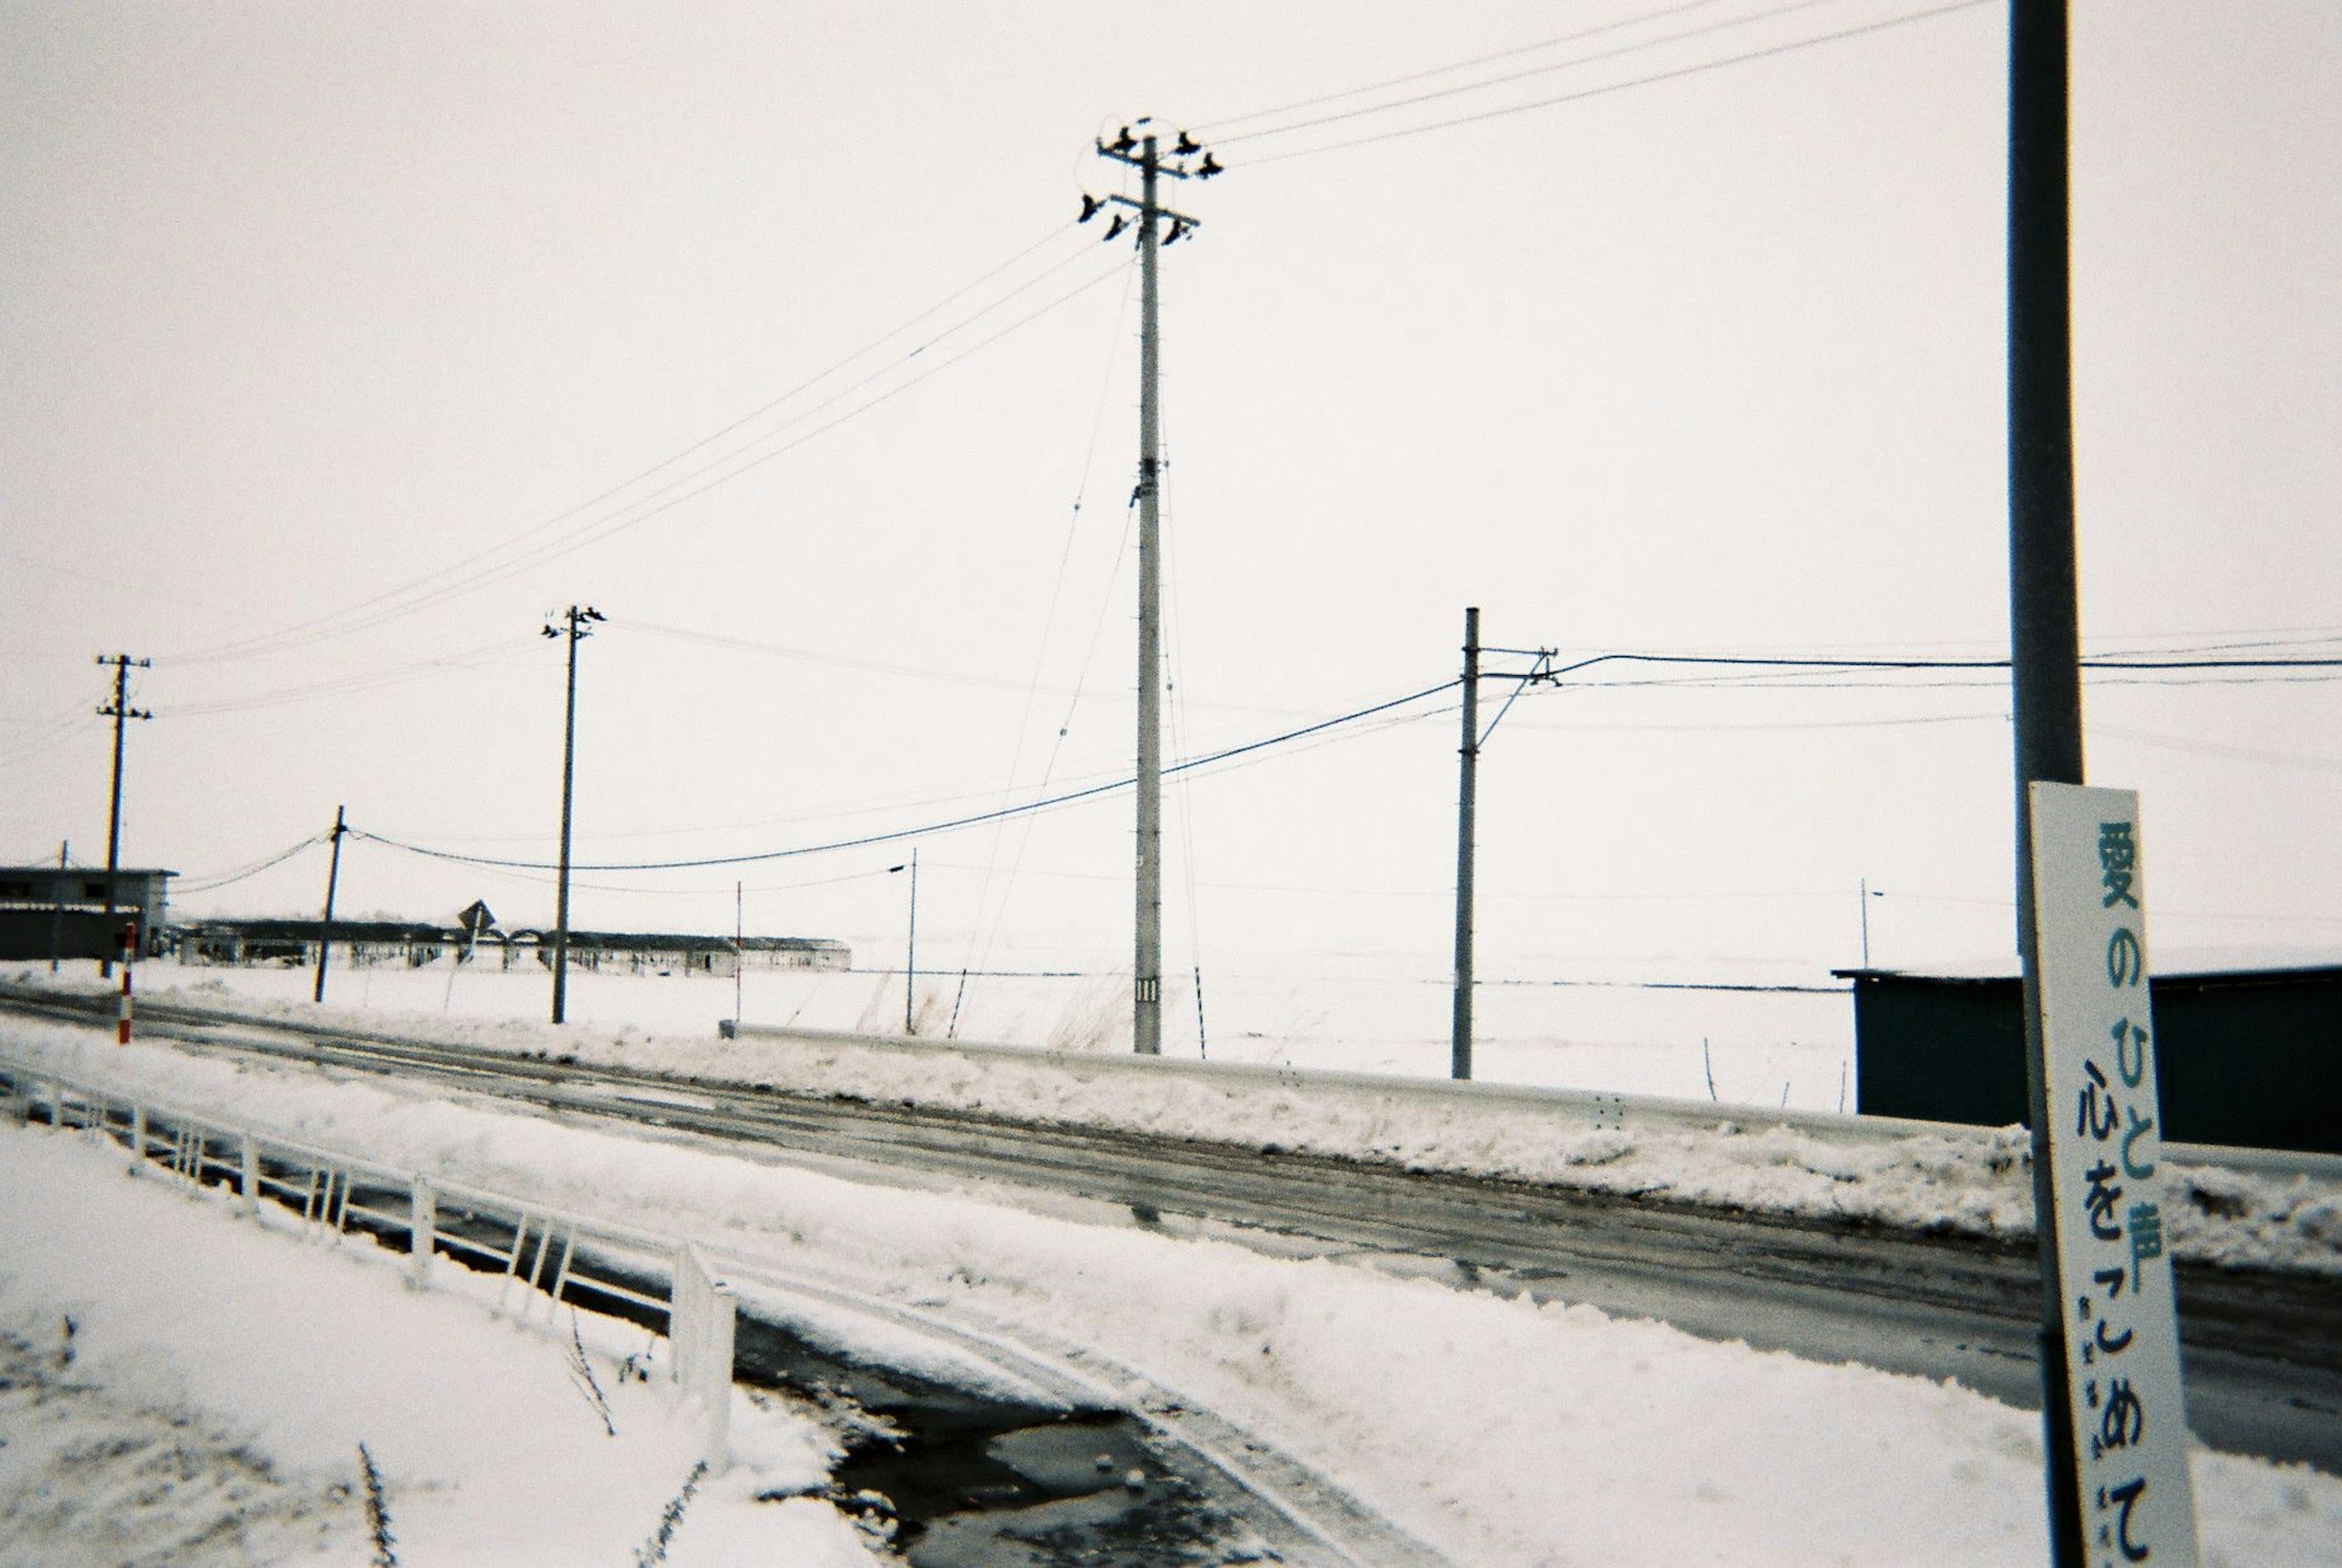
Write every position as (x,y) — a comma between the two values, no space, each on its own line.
(1216,129)
(1704,30)
(900,835)
(1607,89)
(985,931)
(212,882)
(450,581)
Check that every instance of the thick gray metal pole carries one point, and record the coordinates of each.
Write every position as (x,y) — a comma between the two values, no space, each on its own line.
(1147,964)
(325,925)
(2045,636)
(1459,1061)
(568,772)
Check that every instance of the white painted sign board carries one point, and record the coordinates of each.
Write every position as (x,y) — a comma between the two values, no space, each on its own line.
(2122,1328)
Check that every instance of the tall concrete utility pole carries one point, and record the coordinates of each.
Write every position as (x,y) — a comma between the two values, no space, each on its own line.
(1145,155)
(120,712)
(326,925)
(1459,1050)
(1468,812)
(576,628)
(2045,632)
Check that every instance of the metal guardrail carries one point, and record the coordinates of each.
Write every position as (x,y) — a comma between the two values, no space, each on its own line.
(554,1258)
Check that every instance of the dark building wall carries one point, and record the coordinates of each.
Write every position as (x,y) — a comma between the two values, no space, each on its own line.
(2253,1060)
(26,933)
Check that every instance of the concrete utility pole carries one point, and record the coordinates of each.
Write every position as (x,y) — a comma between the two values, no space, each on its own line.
(58,908)
(326,925)
(1145,155)
(120,712)
(576,627)
(2044,634)
(1468,809)
(1459,1057)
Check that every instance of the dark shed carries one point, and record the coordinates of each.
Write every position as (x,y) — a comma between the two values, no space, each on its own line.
(2248,1057)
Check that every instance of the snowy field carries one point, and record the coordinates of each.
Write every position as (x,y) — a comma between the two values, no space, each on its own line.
(221,1378)
(1766,1046)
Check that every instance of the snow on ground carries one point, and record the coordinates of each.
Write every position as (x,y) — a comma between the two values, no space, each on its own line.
(1502,1431)
(185,1386)
(1977,1182)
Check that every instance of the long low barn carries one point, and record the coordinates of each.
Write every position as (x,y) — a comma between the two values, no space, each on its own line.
(363,943)
(2248,1056)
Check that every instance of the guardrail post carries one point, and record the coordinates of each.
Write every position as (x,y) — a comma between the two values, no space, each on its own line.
(702,1317)
(715,1388)
(423,1227)
(248,1177)
(137,1139)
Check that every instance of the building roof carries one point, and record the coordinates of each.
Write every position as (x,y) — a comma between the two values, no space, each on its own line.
(283,929)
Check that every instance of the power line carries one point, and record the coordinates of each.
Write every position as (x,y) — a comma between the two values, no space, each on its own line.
(1645,81)
(1412,77)
(215,882)
(1702,31)
(421,590)
(899,835)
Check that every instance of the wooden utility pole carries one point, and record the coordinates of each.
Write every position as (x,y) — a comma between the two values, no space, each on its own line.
(326,925)
(1459,1058)
(576,627)
(120,712)
(1144,153)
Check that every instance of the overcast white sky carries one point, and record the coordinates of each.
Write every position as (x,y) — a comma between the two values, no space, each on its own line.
(302,304)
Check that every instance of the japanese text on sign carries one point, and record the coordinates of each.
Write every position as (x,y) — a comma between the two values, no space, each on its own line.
(2097,1030)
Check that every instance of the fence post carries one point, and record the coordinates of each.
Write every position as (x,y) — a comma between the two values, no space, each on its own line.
(137,1139)
(248,1177)
(422,1226)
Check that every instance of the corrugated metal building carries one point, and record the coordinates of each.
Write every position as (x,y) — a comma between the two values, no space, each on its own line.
(2248,1057)
(47,911)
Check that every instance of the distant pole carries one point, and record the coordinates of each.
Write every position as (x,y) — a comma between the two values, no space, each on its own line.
(739,936)
(576,628)
(326,925)
(58,908)
(911,948)
(1864,894)
(1145,155)
(1459,1065)
(2045,634)
(119,710)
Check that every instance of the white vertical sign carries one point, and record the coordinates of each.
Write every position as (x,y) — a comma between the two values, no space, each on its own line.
(2106,1138)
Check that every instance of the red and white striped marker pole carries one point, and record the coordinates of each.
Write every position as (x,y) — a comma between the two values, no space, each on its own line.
(129,951)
